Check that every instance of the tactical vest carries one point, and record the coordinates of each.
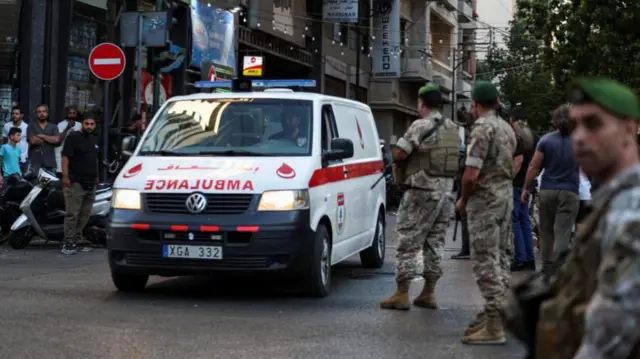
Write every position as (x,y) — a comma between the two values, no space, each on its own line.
(442,157)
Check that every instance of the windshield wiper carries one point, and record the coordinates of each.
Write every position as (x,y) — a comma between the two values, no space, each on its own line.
(233,153)
(163,153)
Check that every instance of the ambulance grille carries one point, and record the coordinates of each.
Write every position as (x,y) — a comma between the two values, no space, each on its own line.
(175,203)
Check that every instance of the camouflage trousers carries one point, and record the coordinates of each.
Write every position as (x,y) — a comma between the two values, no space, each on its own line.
(490,237)
(421,225)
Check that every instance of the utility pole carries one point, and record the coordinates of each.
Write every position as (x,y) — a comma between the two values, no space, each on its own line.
(490,54)
(358,45)
(156,74)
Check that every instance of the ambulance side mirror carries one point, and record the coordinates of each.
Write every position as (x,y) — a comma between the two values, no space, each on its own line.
(128,145)
(341,148)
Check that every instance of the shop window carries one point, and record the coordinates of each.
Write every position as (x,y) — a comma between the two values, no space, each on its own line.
(82,88)
(358,95)
(334,87)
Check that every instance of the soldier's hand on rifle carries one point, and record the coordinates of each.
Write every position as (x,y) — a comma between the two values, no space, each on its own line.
(461,207)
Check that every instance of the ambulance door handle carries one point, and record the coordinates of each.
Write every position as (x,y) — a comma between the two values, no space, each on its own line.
(345,172)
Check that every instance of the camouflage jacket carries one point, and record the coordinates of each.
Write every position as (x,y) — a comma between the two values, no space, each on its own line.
(492,144)
(409,143)
(612,316)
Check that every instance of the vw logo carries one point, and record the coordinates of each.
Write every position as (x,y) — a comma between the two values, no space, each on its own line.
(196,203)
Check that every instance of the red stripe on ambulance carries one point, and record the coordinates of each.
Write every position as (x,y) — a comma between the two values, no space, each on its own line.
(333,174)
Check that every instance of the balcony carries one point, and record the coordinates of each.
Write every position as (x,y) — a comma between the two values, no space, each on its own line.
(464,87)
(451,5)
(465,15)
(442,10)
(416,69)
(442,75)
(394,95)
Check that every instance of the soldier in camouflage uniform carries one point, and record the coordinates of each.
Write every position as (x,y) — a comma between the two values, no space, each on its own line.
(426,159)
(591,308)
(487,199)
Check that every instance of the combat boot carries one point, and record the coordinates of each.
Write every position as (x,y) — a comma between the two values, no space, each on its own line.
(491,333)
(400,299)
(427,298)
(476,324)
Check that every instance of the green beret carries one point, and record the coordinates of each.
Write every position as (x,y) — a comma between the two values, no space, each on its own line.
(613,96)
(430,87)
(484,91)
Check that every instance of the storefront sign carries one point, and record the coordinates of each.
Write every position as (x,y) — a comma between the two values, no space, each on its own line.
(213,33)
(386,45)
(340,10)
(147,88)
(252,66)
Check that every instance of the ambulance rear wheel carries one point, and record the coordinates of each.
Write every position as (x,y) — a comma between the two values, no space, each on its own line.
(373,257)
(318,281)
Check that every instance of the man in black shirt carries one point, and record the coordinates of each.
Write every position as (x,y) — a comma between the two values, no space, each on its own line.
(522,231)
(79,176)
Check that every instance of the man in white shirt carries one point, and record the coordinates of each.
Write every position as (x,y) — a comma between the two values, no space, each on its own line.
(72,123)
(17,120)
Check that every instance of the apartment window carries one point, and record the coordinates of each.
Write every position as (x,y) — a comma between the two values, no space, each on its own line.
(340,33)
(404,41)
(353,39)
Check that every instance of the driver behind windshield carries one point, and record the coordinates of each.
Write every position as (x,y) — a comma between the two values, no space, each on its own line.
(290,128)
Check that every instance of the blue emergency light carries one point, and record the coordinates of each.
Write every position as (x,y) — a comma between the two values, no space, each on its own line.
(257,84)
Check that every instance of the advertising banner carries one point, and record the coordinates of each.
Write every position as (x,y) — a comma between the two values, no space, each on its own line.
(213,33)
(386,44)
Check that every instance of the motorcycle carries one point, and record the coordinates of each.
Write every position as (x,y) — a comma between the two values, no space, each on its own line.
(43,212)
(15,189)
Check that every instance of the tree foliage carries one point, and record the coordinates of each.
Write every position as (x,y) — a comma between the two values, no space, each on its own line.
(587,37)
(519,70)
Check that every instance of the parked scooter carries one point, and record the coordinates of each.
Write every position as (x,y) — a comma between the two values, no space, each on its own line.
(14,190)
(43,212)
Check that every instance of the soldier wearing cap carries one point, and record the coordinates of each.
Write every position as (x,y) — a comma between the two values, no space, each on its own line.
(426,160)
(486,198)
(591,308)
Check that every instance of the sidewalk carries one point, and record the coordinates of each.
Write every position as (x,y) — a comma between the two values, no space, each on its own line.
(459,299)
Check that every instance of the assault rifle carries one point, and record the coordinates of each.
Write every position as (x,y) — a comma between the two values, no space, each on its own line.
(432,130)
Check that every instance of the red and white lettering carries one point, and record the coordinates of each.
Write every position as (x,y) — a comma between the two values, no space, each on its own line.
(198,185)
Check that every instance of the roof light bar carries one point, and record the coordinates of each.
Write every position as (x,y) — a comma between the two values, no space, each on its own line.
(258,83)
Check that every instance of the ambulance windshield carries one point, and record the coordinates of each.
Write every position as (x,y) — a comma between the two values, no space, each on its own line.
(231,127)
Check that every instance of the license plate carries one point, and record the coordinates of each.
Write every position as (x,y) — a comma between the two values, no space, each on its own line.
(191,252)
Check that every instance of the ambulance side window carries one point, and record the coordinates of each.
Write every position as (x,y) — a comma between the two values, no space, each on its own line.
(329,128)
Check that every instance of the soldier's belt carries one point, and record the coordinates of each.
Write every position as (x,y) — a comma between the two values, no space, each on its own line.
(406,187)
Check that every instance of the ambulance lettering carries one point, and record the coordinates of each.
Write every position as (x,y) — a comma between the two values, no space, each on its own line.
(197,185)
(340,213)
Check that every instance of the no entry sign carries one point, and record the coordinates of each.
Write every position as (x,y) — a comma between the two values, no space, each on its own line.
(107,61)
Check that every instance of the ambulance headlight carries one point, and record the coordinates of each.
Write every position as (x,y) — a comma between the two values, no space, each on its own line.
(126,199)
(284,200)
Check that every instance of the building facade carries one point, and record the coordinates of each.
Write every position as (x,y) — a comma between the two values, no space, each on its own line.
(436,44)
(382,54)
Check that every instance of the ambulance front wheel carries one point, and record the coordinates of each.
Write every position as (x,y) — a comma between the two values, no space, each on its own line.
(318,280)
(373,257)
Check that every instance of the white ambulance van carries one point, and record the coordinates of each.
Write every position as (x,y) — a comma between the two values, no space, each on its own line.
(276,182)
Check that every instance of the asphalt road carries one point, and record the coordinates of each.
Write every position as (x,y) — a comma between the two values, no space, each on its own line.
(66,307)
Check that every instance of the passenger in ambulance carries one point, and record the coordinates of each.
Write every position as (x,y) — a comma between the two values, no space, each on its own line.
(291,129)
